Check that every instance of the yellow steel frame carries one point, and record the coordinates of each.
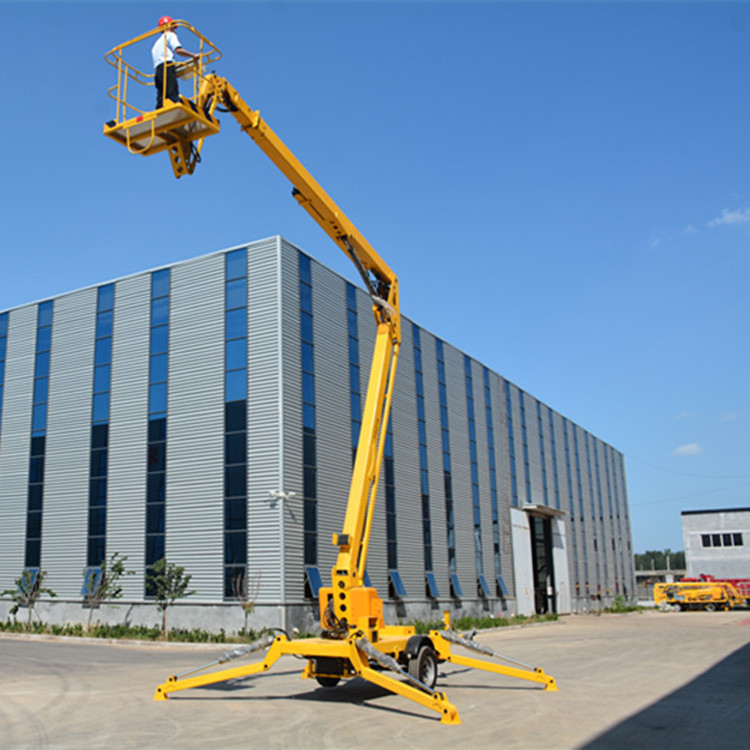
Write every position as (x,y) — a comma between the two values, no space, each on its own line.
(349,610)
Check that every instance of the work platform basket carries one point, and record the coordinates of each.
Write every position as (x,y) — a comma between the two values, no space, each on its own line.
(177,127)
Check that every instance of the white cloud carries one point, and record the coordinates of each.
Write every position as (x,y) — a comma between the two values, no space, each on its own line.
(731,216)
(729,416)
(690,449)
(685,415)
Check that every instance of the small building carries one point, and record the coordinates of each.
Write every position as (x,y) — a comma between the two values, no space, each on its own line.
(717,542)
(208,412)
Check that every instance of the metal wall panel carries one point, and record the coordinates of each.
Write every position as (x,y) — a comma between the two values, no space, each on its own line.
(463,509)
(483,469)
(292,422)
(435,463)
(406,468)
(66,474)
(332,410)
(503,469)
(128,430)
(15,442)
(264,419)
(195,424)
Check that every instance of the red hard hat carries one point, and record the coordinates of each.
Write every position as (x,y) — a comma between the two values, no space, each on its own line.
(164,20)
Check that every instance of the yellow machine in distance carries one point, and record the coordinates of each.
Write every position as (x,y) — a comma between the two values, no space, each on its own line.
(709,596)
(355,638)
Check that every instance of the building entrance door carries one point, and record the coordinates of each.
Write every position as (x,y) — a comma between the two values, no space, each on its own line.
(542,564)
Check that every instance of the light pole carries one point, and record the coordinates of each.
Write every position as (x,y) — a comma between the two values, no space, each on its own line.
(278,497)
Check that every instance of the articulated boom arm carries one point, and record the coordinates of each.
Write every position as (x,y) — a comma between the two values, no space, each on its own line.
(217,93)
(355,642)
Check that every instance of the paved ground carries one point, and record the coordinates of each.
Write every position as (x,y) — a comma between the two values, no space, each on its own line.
(651,680)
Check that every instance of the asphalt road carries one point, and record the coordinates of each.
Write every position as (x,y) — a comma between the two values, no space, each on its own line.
(650,680)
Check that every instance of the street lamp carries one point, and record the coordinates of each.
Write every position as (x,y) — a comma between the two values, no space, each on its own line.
(278,498)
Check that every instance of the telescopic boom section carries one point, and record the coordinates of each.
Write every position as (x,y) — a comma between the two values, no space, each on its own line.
(341,608)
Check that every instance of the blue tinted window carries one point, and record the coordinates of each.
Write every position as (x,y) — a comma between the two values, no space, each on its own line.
(106,298)
(308,361)
(305,297)
(40,390)
(354,377)
(432,586)
(159,339)
(306,326)
(4,324)
(308,387)
(154,548)
(236,354)
(155,518)
(158,368)
(104,324)
(160,283)
(101,407)
(314,579)
(236,264)
(236,293)
(3,347)
(44,339)
(353,349)
(103,351)
(101,378)
(398,584)
(160,311)
(236,385)
(44,317)
(41,365)
(235,548)
(39,418)
(157,398)
(308,416)
(304,269)
(236,323)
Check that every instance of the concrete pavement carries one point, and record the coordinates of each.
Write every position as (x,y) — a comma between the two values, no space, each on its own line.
(649,680)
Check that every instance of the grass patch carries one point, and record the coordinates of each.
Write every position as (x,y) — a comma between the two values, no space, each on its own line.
(620,605)
(122,631)
(481,623)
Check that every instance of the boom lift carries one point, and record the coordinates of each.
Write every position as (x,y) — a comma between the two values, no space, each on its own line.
(355,640)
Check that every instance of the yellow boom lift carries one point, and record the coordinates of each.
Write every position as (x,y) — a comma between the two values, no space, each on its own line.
(355,640)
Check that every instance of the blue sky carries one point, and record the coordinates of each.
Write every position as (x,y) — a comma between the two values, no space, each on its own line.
(563,189)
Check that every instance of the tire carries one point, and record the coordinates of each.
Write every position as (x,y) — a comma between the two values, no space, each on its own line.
(710,607)
(424,667)
(327,682)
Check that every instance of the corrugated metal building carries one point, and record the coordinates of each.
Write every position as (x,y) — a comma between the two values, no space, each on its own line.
(207,412)
(717,542)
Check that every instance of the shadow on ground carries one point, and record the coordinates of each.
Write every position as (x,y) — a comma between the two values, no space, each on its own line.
(711,711)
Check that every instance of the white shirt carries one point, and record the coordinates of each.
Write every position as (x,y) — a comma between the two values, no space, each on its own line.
(157,51)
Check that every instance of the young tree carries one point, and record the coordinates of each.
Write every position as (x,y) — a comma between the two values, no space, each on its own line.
(167,583)
(29,588)
(103,584)
(245,592)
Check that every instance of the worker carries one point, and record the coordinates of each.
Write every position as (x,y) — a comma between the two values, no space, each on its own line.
(163,53)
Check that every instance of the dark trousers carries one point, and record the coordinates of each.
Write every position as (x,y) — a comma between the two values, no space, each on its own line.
(172,91)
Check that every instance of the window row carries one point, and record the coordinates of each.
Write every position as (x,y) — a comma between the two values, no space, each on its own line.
(724,539)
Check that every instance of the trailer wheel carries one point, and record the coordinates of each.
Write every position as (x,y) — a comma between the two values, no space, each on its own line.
(424,667)
(327,682)
(710,607)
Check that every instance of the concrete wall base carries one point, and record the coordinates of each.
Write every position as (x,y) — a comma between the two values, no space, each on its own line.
(214,617)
